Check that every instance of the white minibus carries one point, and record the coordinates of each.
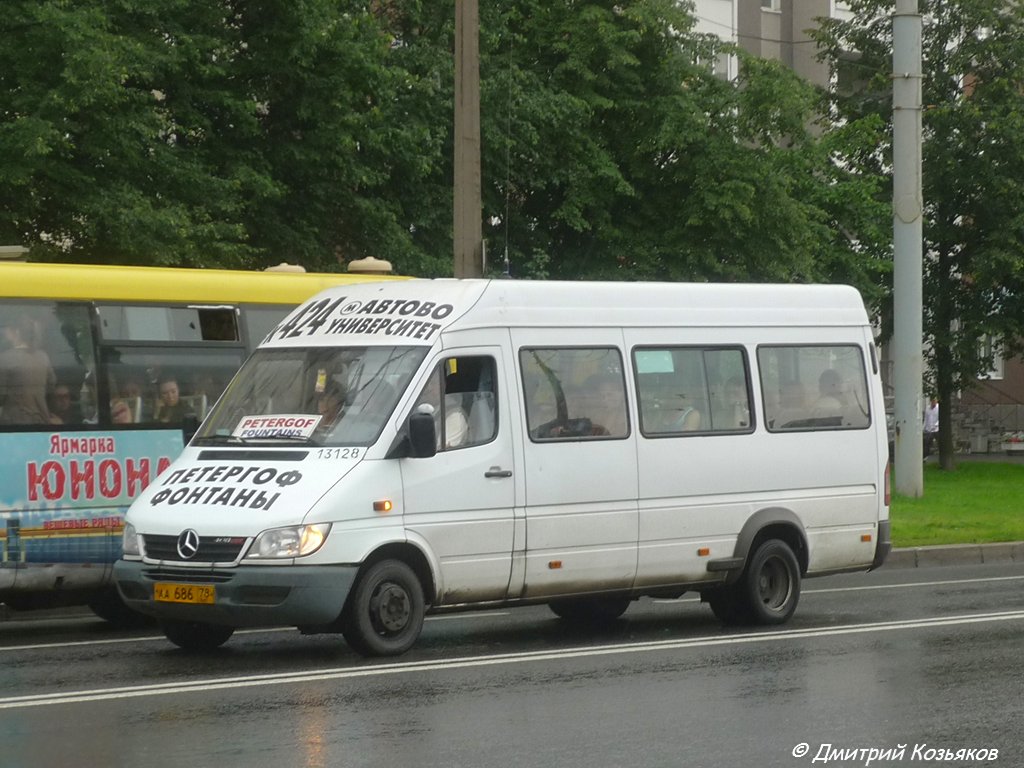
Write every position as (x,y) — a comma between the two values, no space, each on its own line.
(397,449)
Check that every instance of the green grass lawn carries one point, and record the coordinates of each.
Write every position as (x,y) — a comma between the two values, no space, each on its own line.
(976,503)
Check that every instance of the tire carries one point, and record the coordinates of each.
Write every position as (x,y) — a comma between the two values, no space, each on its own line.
(728,606)
(384,613)
(590,610)
(770,584)
(109,606)
(197,636)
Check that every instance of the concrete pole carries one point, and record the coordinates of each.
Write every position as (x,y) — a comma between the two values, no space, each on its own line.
(468,227)
(908,358)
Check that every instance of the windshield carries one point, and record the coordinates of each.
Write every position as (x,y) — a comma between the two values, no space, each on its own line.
(321,396)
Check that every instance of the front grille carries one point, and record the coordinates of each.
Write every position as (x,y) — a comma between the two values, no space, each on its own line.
(212,549)
(188,576)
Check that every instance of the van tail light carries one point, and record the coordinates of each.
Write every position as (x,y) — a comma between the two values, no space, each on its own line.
(888,483)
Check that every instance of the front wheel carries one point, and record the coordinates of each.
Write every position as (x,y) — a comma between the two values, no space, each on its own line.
(197,636)
(384,613)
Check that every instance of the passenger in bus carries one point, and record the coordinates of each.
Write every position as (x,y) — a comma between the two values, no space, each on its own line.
(63,409)
(170,408)
(120,412)
(25,375)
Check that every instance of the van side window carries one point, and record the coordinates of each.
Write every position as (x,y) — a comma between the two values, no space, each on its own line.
(692,389)
(574,393)
(462,392)
(814,387)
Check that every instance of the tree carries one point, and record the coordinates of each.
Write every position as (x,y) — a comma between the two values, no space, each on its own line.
(973,182)
(246,132)
(614,150)
(182,132)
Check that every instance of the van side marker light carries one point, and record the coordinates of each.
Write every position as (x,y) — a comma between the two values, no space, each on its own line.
(703,551)
(383,505)
(554,565)
(865,537)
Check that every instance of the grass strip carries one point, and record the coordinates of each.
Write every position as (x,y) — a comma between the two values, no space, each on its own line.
(978,502)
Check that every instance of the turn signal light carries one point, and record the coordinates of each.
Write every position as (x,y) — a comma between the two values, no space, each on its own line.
(382,506)
(703,551)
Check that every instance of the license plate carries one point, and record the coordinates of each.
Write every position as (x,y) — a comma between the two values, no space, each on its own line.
(195,594)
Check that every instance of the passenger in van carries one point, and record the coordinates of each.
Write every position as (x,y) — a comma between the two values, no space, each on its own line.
(685,419)
(792,405)
(329,405)
(456,423)
(831,400)
(739,407)
(25,375)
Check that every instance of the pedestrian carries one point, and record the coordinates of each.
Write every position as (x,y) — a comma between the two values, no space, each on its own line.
(931,425)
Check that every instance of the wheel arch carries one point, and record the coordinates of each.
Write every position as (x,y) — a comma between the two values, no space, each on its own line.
(412,556)
(770,523)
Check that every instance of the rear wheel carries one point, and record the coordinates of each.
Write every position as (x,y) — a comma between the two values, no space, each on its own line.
(384,613)
(590,610)
(771,583)
(767,591)
(197,636)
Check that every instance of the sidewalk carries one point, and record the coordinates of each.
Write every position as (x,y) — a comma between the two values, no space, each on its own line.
(956,554)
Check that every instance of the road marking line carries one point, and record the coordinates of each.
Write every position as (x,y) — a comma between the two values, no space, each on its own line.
(372,670)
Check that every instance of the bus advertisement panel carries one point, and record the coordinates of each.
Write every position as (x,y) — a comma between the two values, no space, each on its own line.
(66,493)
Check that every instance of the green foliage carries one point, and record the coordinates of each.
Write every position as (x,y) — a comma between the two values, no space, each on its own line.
(245,133)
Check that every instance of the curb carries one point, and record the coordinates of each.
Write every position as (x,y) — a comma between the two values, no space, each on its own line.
(956,554)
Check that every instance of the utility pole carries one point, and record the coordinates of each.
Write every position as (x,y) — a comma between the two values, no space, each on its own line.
(468,227)
(908,358)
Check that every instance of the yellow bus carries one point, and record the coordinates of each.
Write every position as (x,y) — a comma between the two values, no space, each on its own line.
(104,370)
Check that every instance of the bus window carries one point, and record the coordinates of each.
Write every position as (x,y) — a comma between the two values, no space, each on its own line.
(574,394)
(259,321)
(814,387)
(46,350)
(164,385)
(690,389)
(133,323)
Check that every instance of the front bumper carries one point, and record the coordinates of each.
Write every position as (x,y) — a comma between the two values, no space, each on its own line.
(291,595)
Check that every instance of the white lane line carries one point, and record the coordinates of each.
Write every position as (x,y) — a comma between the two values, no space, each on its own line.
(377,670)
(871,587)
(151,638)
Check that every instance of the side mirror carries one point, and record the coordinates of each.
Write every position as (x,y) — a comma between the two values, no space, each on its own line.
(422,435)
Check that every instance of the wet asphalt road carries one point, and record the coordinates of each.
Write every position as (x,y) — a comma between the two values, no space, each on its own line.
(929,658)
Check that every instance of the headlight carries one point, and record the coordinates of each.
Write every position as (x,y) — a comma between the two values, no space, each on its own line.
(130,540)
(295,541)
